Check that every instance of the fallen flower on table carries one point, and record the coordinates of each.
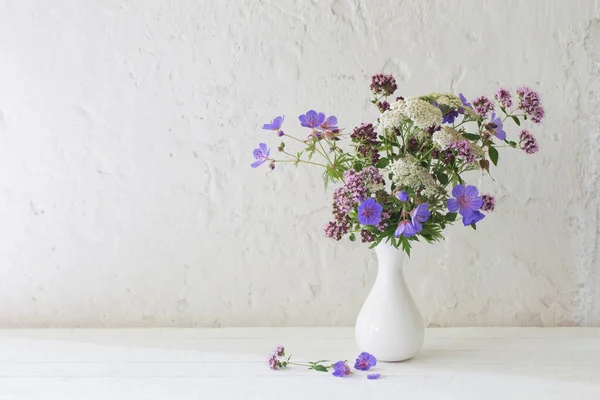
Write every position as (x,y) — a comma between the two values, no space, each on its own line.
(373,376)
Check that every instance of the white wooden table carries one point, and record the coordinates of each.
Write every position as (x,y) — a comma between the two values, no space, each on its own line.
(211,364)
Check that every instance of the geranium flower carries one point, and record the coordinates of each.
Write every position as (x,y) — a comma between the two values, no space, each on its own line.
(330,124)
(497,125)
(341,369)
(275,125)
(450,116)
(467,202)
(312,119)
(464,101)
(402,196)
(419,216)
(365,361)
(406,229)
(261,155)
(369,212)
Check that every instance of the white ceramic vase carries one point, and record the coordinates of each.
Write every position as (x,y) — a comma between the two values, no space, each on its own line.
(389,325)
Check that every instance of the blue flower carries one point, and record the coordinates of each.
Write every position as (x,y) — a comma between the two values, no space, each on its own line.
(467,202)
(419,216)
(365,361)
(312,119)
(450,116)
(464,101)
(275,125)
(406,229)
(341,369)
(373,376)
(497,125)
(261,155)
(330,124)
(402,196)
(369,212)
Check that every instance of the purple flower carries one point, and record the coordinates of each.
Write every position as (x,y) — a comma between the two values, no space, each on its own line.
(489,202)
(279,351)
(530,103)
(450,116)
(503,97)
(482,106)
(338,228)
(366,236)
(464,101)
(464,150)
(383,106)
(402,196)
(528,142)
(373,376)
(365,361)
(275,125)
(261,155)
(383,83)
(273,362)
(467,202)
(497,125)
(406,229)
(369,212)
(419,216)
(330,123)
(312,119)
(341,369)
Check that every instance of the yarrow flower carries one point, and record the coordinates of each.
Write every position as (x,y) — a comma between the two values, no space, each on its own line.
(275,125)
(261,155)
(385,84)
(369,212)
(488,202)
(467,202)
(445,137)
(391,119)
(528,142)
(530,103)
(422,113)
(407,172)
(482,106)
(503,97)
(341,369)
(496,125)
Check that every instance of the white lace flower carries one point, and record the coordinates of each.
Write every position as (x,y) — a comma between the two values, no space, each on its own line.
(445,137)
(407,172)
(422,113)
(390,119)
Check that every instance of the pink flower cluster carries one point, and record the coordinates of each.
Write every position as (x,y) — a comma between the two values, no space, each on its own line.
(482,106)
(464,150)
(489,202)
(504,98)
(385,84)
(345,198)
(528,142)
(529,102)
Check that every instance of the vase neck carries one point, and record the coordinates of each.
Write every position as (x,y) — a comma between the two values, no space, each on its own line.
(389,259)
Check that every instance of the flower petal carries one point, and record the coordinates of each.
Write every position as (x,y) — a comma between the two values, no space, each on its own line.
(476,203)
(452,205)
(263,147)
(320,119)
(257,163)
(458,190)
(399,230)
(373,376)
(471,191)
(472,218)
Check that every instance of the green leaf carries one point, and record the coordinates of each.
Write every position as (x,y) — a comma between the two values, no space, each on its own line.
(503,110)
(493,155)
(406,246)
(442,177)
(352,237)
(471,136)
(516,120)
(384,162)
(321,368)
(450,217)
(474,227)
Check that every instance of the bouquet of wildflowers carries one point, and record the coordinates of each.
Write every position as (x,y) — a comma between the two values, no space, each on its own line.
(402,176)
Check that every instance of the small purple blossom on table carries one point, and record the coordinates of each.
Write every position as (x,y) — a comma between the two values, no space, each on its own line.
(467,202)
(365,361)
(312,119)
(497,126)
(261,155)
(341,369)
(373,376)
(273,362)
(280,351)
(369,212)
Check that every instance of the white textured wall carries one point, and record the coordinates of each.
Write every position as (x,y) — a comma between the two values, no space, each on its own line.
(126,130)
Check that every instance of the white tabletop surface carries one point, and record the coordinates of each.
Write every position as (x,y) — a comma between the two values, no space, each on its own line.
(455,363)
